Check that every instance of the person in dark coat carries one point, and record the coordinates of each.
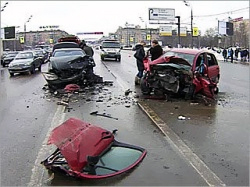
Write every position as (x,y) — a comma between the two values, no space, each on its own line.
(156,50)
(87,49)
(224,53)
(231,55)
(139,56)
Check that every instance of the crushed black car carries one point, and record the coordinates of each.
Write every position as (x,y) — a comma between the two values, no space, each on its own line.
(70,66)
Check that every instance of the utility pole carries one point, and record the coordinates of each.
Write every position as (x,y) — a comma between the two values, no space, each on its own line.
(188,4)
(25,29)
(179,30)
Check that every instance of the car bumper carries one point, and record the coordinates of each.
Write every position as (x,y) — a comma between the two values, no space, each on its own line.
(19,69)
(111,55)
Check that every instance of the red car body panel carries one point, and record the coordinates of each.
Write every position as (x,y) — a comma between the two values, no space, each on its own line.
(70,138)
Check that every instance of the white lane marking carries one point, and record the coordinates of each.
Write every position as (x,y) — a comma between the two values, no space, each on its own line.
(38,170)
(175,141)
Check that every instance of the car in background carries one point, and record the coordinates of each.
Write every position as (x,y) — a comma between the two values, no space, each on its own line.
(42,54)
(25,61)
(74,39)
(110,49)
(8,58)
(61,45)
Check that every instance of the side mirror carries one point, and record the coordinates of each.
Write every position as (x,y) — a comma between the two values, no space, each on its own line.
(100,47)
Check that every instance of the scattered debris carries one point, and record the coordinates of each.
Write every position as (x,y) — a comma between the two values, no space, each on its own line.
(62,103)
(103,114)
(71,88)
(181,117)
(27,106)
(127,92)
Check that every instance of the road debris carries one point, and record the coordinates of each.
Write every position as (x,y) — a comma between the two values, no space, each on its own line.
(181,118)
(103,115)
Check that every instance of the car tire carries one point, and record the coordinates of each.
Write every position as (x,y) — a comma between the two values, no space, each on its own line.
(119,59)
(3,65)
(146,90)
(32,70)
(102,58)
(11,74)
(40,67)
(216,90)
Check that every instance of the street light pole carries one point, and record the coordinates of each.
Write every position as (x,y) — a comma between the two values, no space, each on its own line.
(188,4)
(25,29)
(2,9)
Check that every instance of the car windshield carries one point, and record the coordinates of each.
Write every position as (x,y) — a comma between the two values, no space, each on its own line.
(39,52)
(11,55)
(187,57)
(24,55)
(68,53)
(111,45)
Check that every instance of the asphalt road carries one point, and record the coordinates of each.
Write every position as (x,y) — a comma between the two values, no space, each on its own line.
(217,134)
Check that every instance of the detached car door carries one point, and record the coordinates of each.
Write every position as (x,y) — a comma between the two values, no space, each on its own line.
(213,67)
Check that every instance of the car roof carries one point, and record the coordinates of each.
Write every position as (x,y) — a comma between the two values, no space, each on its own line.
(188,51)
(68,49)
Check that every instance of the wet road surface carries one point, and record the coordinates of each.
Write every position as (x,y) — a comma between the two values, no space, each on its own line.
(217,134)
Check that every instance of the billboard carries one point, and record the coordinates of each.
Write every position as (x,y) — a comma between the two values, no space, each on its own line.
(9,32)
(222,27)
(225,28)
(166,14)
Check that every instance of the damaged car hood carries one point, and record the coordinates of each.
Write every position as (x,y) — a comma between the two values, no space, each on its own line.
(64,62)
(170,59)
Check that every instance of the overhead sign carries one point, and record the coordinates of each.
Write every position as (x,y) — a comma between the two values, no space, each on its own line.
(195,31)
(237,19)
(49,27)
(82,33)
(230,29)
(165,30)
(165,14)
(127,25)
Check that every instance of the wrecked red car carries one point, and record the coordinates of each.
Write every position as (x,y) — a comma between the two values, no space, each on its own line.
(90,152)
(185,72)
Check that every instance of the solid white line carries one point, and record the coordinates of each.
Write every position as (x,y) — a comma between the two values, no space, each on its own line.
(38,170)
(175,141)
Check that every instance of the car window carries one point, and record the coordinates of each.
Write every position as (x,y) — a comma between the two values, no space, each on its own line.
(111,45)
(67,53)
(24,55)
(187,57)
(211,60)
(200,60)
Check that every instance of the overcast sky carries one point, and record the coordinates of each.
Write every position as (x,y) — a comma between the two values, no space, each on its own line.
(107,16)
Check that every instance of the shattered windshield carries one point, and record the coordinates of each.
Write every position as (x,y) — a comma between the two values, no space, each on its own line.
(187,57)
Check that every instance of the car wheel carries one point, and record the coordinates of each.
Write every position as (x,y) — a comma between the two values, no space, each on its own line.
(216,90)
(32,71)
(146,90)
(3,64)
(119,59)
(40,67)
(11,74)
(102,58)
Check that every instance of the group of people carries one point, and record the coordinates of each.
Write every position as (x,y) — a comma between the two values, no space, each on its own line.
(155,51)
(234,54)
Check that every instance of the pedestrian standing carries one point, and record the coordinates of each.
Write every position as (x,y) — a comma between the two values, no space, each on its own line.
(224,53)
(87,49)
(139,56)
(231,55)
(156,50)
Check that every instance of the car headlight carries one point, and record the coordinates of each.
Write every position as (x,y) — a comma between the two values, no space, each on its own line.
(50,76)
